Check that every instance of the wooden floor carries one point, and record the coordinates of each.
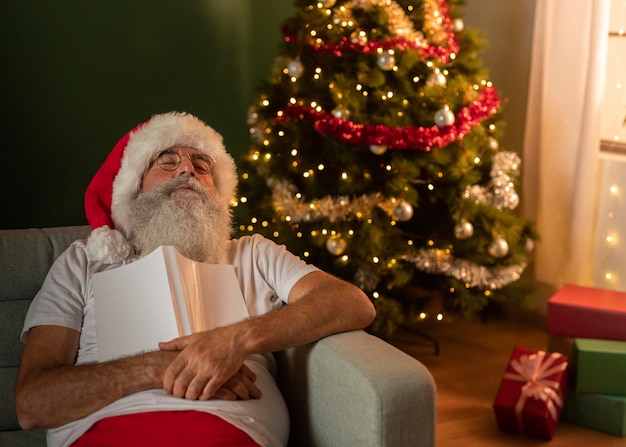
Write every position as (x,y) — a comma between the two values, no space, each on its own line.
(468,371)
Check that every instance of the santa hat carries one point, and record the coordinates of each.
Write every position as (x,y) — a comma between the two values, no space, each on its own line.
(118,181)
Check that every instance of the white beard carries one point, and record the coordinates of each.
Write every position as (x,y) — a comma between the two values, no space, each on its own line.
(191,221)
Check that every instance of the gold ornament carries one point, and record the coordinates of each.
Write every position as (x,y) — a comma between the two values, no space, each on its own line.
(378,149)
(463,230)
(336,245)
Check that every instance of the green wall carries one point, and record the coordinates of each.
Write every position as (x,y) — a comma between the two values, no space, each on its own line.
(77,75)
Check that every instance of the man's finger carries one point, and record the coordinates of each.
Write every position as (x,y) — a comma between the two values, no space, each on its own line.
(248,372)
(171,375)
(224,394)
(178,344)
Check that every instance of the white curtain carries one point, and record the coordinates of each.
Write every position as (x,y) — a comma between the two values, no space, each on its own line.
(562,135)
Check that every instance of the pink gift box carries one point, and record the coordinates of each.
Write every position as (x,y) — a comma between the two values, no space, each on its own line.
(587,312)
(532,392)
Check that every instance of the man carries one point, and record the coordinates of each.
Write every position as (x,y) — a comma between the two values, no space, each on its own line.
(169,182)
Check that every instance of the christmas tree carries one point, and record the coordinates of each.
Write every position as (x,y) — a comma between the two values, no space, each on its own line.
(375,155)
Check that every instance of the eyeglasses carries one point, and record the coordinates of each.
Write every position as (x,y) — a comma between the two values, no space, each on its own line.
(169,160)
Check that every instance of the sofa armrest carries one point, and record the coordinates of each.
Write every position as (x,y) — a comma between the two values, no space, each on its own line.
(353,389)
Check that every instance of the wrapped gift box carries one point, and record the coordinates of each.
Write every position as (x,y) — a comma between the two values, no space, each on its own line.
(531,393)
(586,312)
(600,366)
(600,412)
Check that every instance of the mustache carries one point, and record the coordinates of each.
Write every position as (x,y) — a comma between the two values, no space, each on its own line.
(167,188)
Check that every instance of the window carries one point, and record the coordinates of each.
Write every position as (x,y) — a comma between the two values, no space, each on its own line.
(609,267)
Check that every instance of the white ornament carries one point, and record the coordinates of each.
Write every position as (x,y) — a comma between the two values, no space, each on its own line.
(498,248)
(444,117)
(295,68)
(403,211)
(378,149)
(336,245)
(463,230)
(386,61)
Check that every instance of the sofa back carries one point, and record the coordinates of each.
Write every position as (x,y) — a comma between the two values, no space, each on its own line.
(25,258)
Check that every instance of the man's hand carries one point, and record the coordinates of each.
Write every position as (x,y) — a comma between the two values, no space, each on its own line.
(210,364)
(240,386)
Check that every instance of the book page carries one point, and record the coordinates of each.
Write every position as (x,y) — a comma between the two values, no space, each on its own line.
(212,294)
(133,305)
(171,257)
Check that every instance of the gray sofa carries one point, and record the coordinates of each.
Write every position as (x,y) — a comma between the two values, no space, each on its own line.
(350,389)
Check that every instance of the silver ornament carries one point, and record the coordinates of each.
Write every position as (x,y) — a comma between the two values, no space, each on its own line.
(378,149)
(493,144)
(341,112)
(336,245)
(253,116)
(463,230)
(529,246)
(458,25)
(437,78)
(498,248)
(403,211)
(513,200)
(386,61)
(359,38)
(444,117)
(295,68)
(256,135)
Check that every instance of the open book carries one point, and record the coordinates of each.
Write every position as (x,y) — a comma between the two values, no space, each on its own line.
(159,297)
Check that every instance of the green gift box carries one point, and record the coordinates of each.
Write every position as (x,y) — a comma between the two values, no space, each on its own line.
(599,366)
(601,412)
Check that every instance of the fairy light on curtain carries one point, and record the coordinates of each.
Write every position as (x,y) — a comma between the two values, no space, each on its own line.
(613,124)
(609,266)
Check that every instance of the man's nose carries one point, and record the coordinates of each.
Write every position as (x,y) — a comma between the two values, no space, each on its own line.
(185,167)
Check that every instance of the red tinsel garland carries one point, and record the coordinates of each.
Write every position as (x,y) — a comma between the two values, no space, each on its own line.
(439,52)
(412,138)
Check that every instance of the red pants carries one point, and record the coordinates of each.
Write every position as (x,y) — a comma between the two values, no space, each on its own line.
(166,429)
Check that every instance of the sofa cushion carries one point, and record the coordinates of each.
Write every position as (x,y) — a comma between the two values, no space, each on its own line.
(25,258)
(22,438)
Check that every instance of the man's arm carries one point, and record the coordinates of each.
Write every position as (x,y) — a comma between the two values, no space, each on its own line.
(319,305)
(52,391)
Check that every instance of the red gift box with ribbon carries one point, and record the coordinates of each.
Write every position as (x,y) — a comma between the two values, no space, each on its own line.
(531,394)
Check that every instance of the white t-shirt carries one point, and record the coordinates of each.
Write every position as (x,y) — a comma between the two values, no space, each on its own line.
(266,273)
